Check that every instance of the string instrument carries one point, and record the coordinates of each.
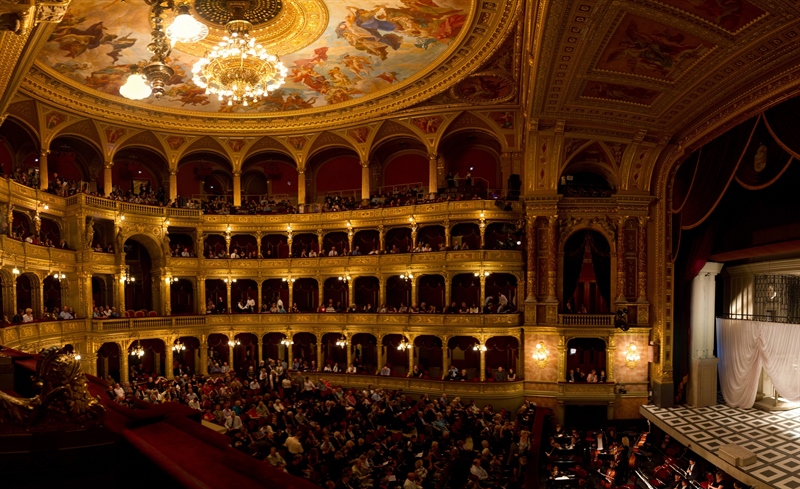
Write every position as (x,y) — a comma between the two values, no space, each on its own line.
(608,478)
(638,446)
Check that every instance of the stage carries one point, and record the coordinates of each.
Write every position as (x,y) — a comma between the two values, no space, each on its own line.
(773,436)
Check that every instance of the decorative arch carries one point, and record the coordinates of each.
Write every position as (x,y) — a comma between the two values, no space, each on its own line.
(143,139)
(393,129)
(470,121)
(593,157)
(327,140)
(266,144)
(208,144)
(84,129)
(151,241)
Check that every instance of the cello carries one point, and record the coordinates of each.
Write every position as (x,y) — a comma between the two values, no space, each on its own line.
(637,447)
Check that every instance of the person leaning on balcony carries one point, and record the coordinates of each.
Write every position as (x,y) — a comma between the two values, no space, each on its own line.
(28,316)
(18,317)
(500,375)
(386,370)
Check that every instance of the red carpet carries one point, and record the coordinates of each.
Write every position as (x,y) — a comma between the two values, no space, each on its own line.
(533,463)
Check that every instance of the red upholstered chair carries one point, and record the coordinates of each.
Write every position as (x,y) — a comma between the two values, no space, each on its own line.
(130,313)
(139,314)
(153,314)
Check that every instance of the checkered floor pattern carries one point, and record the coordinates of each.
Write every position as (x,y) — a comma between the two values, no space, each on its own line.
(773,436)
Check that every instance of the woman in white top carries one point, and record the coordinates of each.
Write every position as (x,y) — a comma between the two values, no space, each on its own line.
(592,377)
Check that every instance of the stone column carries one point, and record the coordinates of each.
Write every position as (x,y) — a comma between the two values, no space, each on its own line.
(445,355)
(169,357)
(381,289)
(482,278)
(237,188)
(552,258)
(228,285)
(258,237)
(123,361)
(289,350)
(201,294)
(530,238)
(203,369)
(703,366)
(641,261)
(620,249)
(108,183)
(320,359)
(433,178)
(173,184)
(260,285)
(119,288)
(44,175)
(414,282)
(351,291)
(448,288)
(290,284)
(365,181)
(301,187)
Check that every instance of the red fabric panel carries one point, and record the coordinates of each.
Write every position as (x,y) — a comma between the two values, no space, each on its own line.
(484,165)
(406,169)
(338,174)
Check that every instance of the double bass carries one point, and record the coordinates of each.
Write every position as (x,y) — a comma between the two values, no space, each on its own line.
(637,447)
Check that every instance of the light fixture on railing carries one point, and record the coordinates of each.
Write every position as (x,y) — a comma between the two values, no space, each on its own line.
(287,342)
(404,345)
(170,280)
(341,342)
(15,271)
(231,280)
(632,356)
(479,347)
(345,278)
(178,346)
(540,355)
(137,351)
(59,276)
(485,274)
(234,342)
(408,276)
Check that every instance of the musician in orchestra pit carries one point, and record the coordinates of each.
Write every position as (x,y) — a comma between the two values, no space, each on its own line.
(676,484)
(691,470)
(719,481)
(600,442)
(611,436)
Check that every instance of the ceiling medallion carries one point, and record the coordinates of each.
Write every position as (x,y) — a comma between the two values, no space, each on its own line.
(217,11)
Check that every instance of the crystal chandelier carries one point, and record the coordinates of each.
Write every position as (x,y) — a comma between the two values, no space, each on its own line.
(137,351)
(238,70)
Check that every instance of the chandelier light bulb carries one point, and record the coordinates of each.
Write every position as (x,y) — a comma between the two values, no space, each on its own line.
(135,87)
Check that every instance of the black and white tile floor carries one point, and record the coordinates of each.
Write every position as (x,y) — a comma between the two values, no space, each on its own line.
(773,436)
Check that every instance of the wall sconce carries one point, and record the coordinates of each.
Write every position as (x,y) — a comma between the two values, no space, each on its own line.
(170,280)
(178,346)
(233,343)
(15,271)
(289,279)
(407,276)
(404,345)
(485,274)
(632,356)
(479,347)
(341,342)
(231,280)
(287,342)
(345,278)
(540,355)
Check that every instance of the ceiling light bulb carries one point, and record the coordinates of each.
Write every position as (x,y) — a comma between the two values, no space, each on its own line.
(185,28)
(135,87)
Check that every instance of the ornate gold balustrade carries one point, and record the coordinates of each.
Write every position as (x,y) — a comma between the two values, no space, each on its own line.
(423,385)
(586,319)
(584,391)
(27,198)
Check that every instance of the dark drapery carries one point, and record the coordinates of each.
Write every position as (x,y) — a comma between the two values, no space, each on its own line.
(601,262)
(574,250)
(764,161)
(573,261)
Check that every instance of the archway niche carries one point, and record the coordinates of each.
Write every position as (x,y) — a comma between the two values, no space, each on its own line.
(26,292)
(244,245)
(272,347)
(431,292)
(215,246)
(152,363)
(465,236)
(52,293)
(141,171)
(464,357)
(304,350)
(216,294)
(334,171)
(108,361)
(476,153)
(333,354)
(271,174)
(365,352)
(428,354)
(397,360)
(306,294)
(73,159)
(203,174)
(586,354)
(586,273)
(502,284)
(398,240)
(304,242)
(218,350)
(275,246)
(186,360)
(245,353)
(367,290)
(404,164)
(503,351)
(336,292)
(272,290)
(139,294)
(503,236)
(335,240)
(241,291)
(466,290)
(366,241)
(433,236)
(398,292)
(182,297)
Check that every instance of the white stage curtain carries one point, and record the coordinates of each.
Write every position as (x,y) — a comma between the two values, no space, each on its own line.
(744,347)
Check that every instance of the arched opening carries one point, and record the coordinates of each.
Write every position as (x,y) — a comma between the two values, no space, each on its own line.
(367,290)
(108,362)
(139,175)
(504,236)
(590,173)
(218,352)
(138,293)
(428,355)
(583,356)
(101,292)
(336,294)
(18,152)
(21,225)
(335,241)
(275,246)
(366,242)
(304,351)
(332,353)
(201,174)
(431,293)
(466,291)
(465,359)
(245,354)
(503,351)
(216,296)
(336,171)
(52,293)
(365,352)
(50,233)
(214,246)
(26,292)
(502,289)
(269,174)
(396,360)
(432,237)
(73,160)
(398,240)
(151,364)
(398,292)
(305,292)
(273,347)
(244,296)
(182,297)
(303,244)
(244,246)
(273,290)
(181,243)
(587,273)
(473,164)
(404,165)
(186,359)
(465,236)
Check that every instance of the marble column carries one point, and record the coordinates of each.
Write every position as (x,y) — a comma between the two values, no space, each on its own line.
(703,367)
(108,183)
(552,258)
(433,178)
(169,357)
(641,261)
(237,188)
(173,184)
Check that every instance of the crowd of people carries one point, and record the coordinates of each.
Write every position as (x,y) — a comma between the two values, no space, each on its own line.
(342,438)
(575,375)
(27,315)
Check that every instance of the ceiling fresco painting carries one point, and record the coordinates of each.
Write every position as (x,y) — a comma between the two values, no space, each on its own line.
(731,15)
(644,47)
(620,93)
(367,46)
